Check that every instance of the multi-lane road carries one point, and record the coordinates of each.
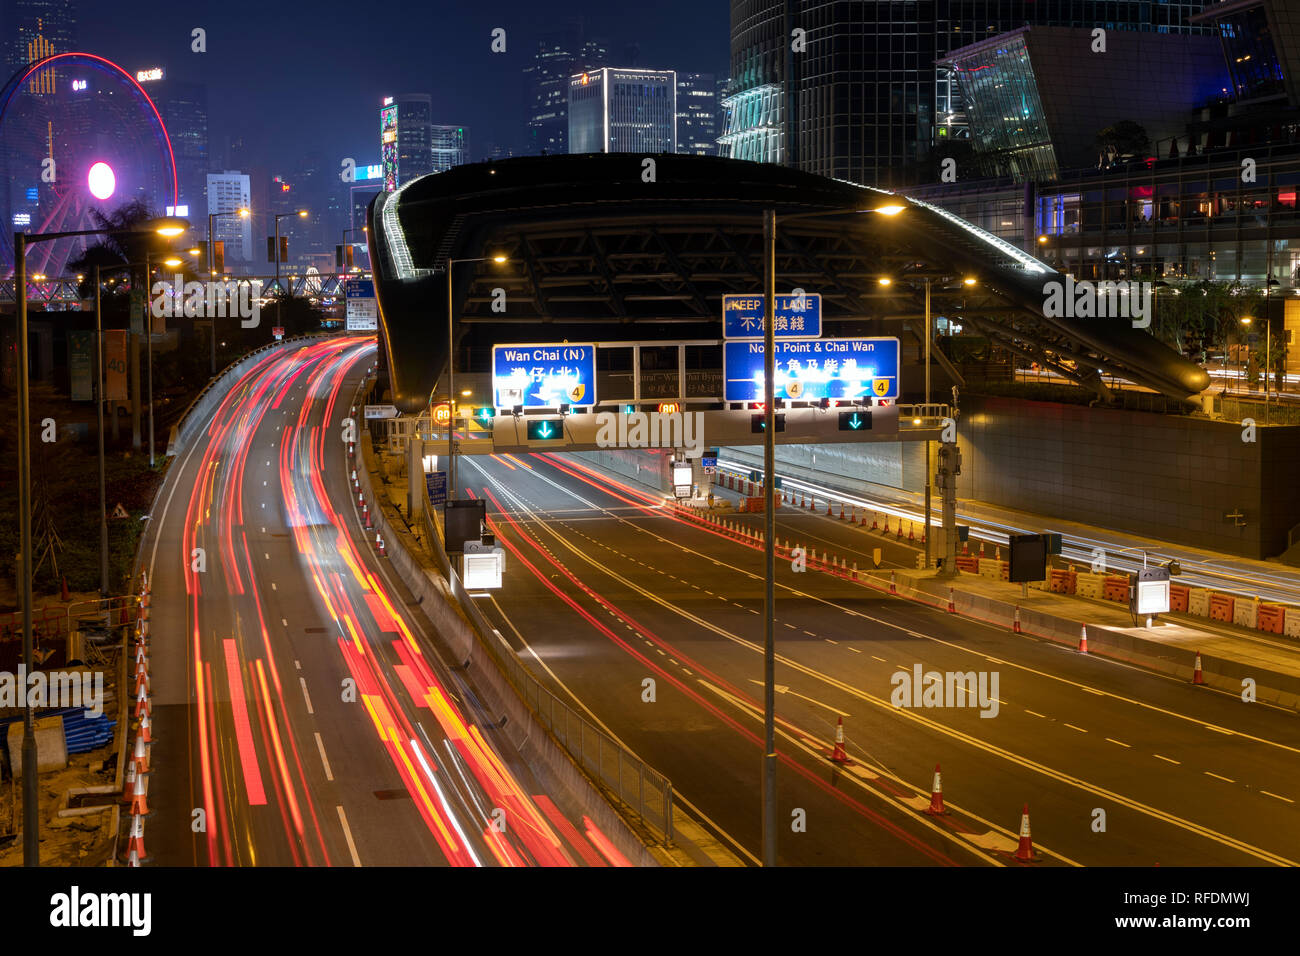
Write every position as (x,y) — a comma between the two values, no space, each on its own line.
(302,715)
(607,590)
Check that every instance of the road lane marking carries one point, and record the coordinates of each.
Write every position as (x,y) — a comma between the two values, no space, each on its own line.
(305,695)
(1118,742)
(347,832)
(1079,729)
(829,641)
(855,650)
(881,659)
(1217,777)
(1168,759)
(1276,796)
(785,689)
(325,761)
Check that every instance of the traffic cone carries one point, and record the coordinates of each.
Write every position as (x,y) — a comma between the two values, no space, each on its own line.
(893,582)
(1015,625)
(997,554)
(841,511)
(63,591)
(952,607)
(128,788)
(141,678)
(1197,676)
(965,549)
(144,728)
(352,449)
(139,806)
(1083,639)
(875,525)
(812,503)
(886,523)
(981,549)
(141,652)
(828,509)
(862,522)
(142,705)
(135,843)
(855,570)
(936,808)
(911,531)
(1025,851)
(900,529)
(366,514)
(838,754)
(379,546)
(140,759)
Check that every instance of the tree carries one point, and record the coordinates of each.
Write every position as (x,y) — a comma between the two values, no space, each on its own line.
(1125,138)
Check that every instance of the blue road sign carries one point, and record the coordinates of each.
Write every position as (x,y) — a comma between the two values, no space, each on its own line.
(359,288)
(811,369)
(544,376)
(797,316)
(436,482)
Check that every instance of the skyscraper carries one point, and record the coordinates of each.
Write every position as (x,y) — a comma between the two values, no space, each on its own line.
(184,109)
(860,79)
(406,137)
(697,114)
(450,147)
(623,111)
(32,29)
(561,53)
(229,192)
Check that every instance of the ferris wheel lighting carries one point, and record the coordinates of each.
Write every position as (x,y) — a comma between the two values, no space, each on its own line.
(102,181)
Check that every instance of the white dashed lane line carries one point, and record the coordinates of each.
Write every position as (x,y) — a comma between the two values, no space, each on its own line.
(1167,759)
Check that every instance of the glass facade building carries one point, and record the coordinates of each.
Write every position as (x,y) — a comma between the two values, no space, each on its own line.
(450,147)
(623,111)
(697,114)
(561,53)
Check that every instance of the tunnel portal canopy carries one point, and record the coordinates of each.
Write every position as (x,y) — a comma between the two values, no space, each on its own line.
(598,249)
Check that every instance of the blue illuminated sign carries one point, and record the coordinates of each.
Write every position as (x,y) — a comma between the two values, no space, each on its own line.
(365,173)
(811,369)
(797,316)
(544,376)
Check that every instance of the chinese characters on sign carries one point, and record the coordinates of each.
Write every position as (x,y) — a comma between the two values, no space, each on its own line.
(811,369)
(544,376)
(797,316)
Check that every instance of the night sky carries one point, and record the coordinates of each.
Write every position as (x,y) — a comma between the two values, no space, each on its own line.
(300,77)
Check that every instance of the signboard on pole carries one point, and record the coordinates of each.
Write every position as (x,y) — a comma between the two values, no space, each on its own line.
(544,376)
(436,484)
(1151,591)
(115,365)
(362,307)
(81,361)
(278,332)
(380,411)
(797,316)
(812,369)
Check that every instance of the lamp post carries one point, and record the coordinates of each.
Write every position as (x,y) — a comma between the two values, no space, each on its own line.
(99,406)
(451,372)
(770,222)
(165,227)
(301,214)
(1245,322)
(243,213)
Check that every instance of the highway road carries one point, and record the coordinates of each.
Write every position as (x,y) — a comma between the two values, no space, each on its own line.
(302,715)
(1120,552)
(607,589)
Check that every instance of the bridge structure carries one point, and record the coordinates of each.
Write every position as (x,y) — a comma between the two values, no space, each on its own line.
(633,250)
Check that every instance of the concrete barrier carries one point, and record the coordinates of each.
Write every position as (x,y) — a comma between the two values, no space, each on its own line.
(1198,602)
(1178,594)
(1089,585)
(989,568)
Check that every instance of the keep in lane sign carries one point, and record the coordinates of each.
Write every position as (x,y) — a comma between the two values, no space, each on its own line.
(797,316)
(812,369)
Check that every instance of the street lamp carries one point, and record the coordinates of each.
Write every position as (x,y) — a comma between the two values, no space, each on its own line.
(451,372)
(243,213)
(770,220)
(301,214)
(169,227)
(1245,322)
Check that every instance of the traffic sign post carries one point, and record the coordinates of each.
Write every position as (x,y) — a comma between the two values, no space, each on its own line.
(811,369)
(435,483)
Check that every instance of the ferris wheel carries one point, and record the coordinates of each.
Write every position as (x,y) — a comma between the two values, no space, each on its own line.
(78,136)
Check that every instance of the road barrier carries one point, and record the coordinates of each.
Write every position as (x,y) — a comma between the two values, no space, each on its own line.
(1178,594)
(1221,607)
(1245,612)
(1271,618)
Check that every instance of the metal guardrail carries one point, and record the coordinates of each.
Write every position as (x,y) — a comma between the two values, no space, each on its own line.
(621,773)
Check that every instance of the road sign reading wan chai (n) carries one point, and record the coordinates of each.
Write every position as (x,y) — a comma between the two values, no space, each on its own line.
(544,376)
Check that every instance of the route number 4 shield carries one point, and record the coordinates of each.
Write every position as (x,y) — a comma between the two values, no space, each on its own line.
(577,392)
(880,386)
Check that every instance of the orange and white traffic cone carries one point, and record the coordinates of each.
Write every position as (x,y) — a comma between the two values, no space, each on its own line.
(855,570)
(1015,624)
(936,808)
(875,524)
(144,728)
(911,531)
(140,759)
(900,529)
(893,582)
(379,546)
(1083,639)
(135,843)
(828,509)
(139,806)
(981,549)
(886,523)
(128,788)
(862,522)
(63,591)
(841,511)
(1025,850)
(1197,676)
(142,704)
(952,605)
(838,754)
